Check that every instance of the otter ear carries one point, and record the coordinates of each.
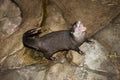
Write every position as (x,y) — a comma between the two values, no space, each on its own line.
(74,23)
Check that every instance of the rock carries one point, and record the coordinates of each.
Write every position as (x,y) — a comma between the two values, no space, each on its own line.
(9,26)
(10,18)
(13,44)
(94,76)
(23,74)
(64,72)
(96,57)
(94,14)
(54,20)
(13,75)
(12,62)
(110,36)
(55,72)
(75,58)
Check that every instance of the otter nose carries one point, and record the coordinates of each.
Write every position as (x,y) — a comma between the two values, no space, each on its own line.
(83,28)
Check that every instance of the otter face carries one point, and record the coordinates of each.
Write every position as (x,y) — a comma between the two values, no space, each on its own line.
(78,27)
(78,30)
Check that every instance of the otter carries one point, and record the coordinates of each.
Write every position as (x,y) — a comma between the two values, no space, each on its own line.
(56,41)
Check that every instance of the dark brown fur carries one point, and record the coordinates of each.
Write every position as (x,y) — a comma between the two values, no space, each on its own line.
(52,42)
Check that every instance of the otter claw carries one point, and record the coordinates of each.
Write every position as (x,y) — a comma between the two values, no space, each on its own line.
(89,41)
(81,52)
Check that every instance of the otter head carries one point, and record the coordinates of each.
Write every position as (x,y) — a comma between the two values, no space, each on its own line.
(78,31)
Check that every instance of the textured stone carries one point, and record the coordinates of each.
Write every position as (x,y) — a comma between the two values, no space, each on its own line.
(96,57)
(10,18)
(75,58)
(111,36)
(13,44)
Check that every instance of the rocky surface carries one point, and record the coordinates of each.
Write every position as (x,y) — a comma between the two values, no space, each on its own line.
(111,36)
(10,18)
(96,66)
(13,46)
(100,61)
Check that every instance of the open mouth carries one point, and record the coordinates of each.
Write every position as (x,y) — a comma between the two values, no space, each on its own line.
(80,26)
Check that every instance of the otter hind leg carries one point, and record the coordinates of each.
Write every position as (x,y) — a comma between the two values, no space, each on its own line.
(49,56)
(79,51)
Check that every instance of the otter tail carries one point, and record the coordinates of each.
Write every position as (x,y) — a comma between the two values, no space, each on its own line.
(28,39)
(31,32)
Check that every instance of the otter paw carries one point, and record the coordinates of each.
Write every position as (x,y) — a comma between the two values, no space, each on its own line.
(81,52)
(90,41)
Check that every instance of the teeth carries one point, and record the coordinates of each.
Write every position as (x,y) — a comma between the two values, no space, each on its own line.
(78,24)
